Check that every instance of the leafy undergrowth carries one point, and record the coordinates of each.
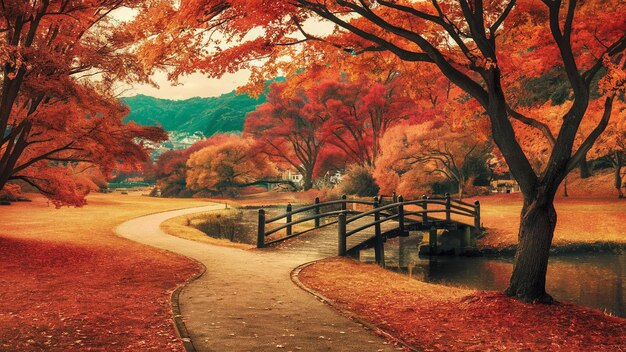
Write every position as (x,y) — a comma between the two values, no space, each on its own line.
(440,318)
(69,283)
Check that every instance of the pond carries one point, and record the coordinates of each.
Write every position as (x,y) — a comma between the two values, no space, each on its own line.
(592,280)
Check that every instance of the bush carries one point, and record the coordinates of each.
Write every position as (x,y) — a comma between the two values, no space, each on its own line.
(225,224)
(232,224)
(359,181)
(11,192)
(444,186)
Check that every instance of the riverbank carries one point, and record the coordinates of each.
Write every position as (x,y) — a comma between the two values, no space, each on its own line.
(69,283)
(441,318)
(584,225)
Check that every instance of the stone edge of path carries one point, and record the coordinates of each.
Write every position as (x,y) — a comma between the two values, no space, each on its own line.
(331,303)
(177,319)
(179,324)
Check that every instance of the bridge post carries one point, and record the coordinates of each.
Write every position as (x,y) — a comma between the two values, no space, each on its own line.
(379,249)
(260,240)
(317,212)
(341,232)
(425,207)
(448,207)
(288,219)
(477,215)
(432,240)
(394,197)
(401,215)
(344,203)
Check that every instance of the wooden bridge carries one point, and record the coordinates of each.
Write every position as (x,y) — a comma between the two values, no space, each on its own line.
(269,184)
(452,224)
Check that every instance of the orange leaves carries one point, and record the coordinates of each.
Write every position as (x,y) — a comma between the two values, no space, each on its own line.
(226,165)
(59,116)
(614,82)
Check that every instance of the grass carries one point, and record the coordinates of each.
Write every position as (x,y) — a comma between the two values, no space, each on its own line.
(579,220)
(69,283)
(441,318)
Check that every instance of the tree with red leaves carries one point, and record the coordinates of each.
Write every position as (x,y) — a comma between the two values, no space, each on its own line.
(57,109)
(288,129)
(483,47)
(359,112)
(448,155)
(170,168)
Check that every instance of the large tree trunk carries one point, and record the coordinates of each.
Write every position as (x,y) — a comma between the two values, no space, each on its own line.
(537,223)
(585,170)
(307,181)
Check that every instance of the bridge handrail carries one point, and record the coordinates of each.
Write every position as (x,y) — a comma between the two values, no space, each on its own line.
(301,220)
(396,212)
(372,212)
(317,205)
(363,227)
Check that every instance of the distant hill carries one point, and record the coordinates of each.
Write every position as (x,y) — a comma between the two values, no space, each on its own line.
(225,113)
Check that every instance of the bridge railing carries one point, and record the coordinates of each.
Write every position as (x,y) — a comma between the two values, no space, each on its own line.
(381,213)
(400,214)
(288,226)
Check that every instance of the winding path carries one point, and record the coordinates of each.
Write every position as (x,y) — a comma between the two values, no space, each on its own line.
(246,301)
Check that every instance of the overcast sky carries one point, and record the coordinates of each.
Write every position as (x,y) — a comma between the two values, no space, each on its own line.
(197,84)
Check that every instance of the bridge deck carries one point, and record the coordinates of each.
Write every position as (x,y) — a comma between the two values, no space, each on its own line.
(322,242)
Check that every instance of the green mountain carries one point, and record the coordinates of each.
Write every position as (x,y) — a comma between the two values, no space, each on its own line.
(225,113)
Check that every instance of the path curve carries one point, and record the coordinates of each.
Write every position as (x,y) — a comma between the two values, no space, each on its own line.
(246,301)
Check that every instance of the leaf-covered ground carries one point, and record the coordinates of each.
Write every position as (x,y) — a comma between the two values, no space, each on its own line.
(440,318)
(69,283)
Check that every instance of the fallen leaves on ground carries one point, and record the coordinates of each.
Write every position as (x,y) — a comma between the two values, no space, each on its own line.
(441,318)
(69,283)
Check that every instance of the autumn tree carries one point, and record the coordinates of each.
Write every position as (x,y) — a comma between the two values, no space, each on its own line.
(450,154)
(57,107)
(483,47)
(289,130)
(359,112)
(226,166)
(611,147)
(170,169)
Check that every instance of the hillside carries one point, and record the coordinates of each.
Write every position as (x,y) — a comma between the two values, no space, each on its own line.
(225,113)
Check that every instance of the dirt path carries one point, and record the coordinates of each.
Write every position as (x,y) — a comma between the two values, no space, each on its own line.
(246,300)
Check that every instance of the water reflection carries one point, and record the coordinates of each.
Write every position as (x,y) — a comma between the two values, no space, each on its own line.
(593,280)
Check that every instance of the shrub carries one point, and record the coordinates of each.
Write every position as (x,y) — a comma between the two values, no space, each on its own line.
(359,181)
(231,224)
(441,187)
(225,224)
(11,192)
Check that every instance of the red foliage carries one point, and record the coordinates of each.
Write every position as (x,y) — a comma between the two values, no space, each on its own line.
(170,170)
(440,318)
(58,106)
(75,285)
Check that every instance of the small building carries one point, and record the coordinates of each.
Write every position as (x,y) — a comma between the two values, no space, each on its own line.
(293,176)
(504,186)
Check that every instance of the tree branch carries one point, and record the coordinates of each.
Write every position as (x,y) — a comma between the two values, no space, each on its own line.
(593,136)
(545,130)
